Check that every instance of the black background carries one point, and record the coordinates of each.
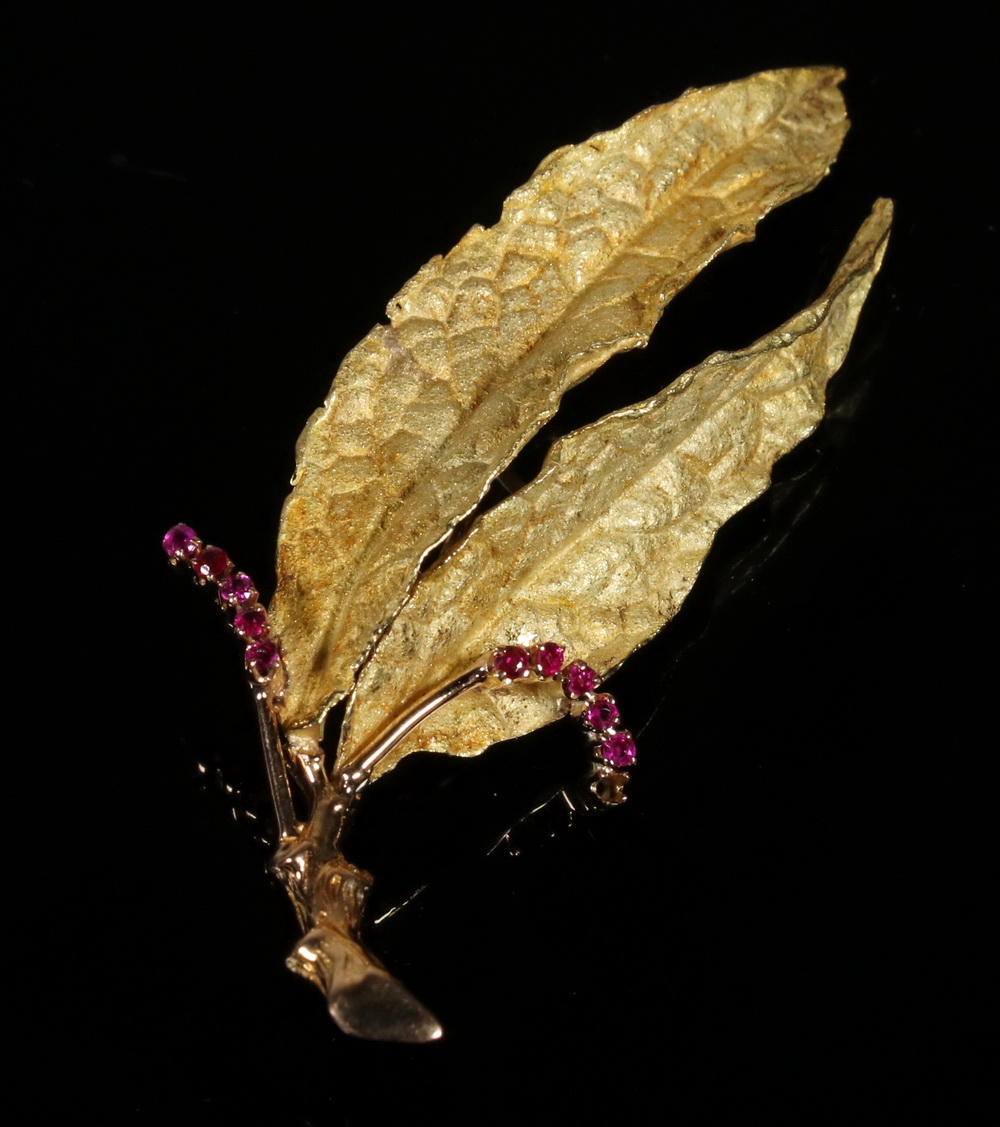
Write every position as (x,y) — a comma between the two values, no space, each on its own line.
(212,207)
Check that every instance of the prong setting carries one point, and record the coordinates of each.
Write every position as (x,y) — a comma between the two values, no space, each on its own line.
(598,713)
(236,592)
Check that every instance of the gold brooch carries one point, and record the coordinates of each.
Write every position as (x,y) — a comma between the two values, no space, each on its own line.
(521,616)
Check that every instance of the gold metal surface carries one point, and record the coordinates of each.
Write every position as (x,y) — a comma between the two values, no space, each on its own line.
(480,346)
(328,894)
(601,549)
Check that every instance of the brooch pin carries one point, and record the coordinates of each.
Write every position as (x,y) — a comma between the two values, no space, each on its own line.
(519,621)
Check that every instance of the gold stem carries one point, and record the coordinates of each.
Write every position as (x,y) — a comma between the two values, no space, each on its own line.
(360,767)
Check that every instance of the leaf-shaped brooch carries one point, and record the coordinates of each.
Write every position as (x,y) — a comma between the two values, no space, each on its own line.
(519,621)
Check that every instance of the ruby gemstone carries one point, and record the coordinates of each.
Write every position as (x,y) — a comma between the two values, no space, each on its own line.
(580,679)
(237,590)
(212,562)
(181,542)
(619,750)
(549,659)
(512,662)
(262,657)
(251,622)
(602,714)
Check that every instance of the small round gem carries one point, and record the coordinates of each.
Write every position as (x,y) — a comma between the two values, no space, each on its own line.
(262,657)
(212,562)
(602,714)
(251,622)
(549,659)
(181,542)
(580,680)
(619,750)
(512,662)
(237,590)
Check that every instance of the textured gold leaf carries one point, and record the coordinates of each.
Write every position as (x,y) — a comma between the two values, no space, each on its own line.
(600,550)
(482,344)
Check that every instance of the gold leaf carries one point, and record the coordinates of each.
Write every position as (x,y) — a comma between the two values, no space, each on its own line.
(482,344)
(600,550)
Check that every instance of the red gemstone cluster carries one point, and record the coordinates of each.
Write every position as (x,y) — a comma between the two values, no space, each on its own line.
(236,590)
(597,711)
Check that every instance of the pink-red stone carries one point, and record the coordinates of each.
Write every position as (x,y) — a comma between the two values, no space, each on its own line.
(212,562)
(512,662)
(549,659)
(262,657)
(251,622)
(619,750)
(580,679)
(237,590)
(181,542)
(602,714)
